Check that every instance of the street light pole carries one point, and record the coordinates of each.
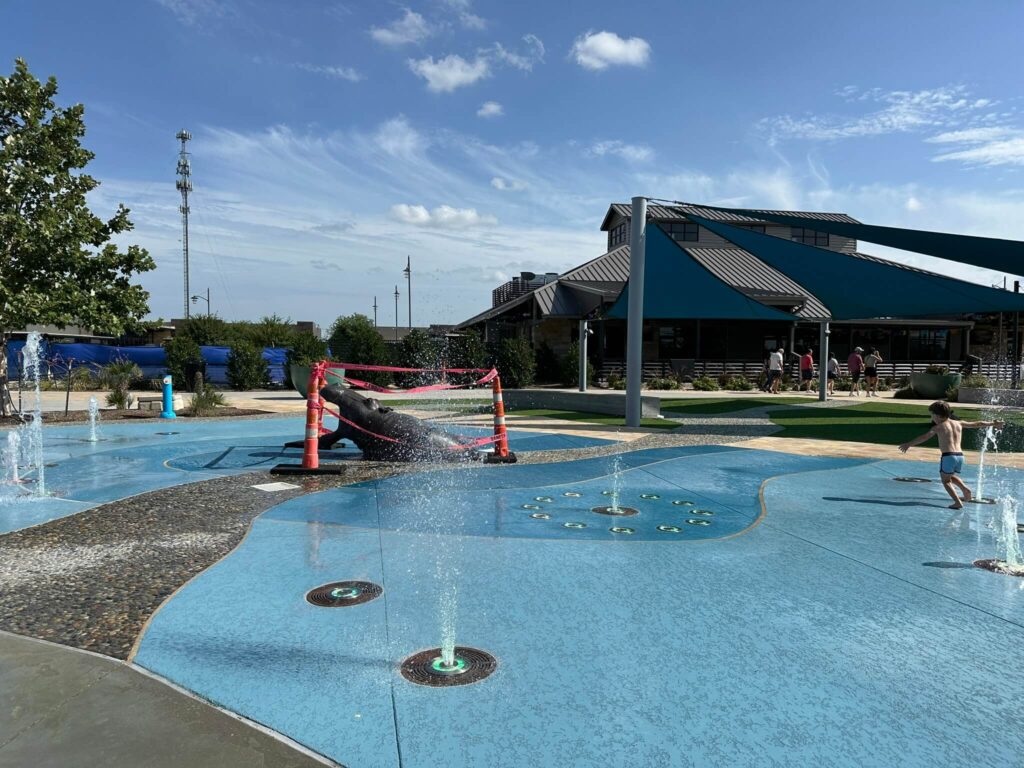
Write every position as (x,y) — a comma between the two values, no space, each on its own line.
(374,311)
(408,286)
(396,312)
(200,297)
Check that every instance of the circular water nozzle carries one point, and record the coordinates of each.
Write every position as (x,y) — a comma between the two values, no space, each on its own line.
(468,665)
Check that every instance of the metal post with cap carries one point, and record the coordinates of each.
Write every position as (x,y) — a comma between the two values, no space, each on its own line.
(635,317)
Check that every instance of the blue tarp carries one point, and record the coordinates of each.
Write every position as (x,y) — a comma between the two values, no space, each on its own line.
(150,359)
(855,287)
(676,286)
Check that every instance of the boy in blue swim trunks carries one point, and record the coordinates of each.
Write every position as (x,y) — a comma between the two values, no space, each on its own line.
(949,431)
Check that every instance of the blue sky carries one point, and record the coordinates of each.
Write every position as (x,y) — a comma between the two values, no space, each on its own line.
(483,138)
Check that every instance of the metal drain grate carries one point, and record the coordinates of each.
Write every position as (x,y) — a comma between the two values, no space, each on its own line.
(540,516)
(615,511)
(341,594)
(998,566)
(911,479)
(698,522)
(168,433)
(618,529)
(427,668)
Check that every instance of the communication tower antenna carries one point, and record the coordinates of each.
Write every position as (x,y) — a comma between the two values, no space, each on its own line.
(184,185)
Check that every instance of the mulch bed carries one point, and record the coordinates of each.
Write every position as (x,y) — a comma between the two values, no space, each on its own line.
(73,417)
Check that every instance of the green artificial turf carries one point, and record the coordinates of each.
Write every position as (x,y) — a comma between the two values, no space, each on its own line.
(593,418)
(699,406)
(884,424)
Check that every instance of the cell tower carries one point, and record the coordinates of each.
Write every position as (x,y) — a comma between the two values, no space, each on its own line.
(184,185)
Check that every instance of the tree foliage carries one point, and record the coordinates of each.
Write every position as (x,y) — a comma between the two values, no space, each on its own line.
(516,365)
(57,261)
(355,340)
(181,352)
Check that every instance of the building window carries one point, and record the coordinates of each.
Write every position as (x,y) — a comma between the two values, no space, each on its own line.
(759,228)
(809,236)
(618,235)
(687,231)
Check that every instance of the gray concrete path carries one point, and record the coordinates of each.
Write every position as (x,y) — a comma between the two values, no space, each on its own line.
(68,709)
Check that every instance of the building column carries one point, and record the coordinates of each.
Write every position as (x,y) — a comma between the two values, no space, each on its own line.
(635,322)
(823,362)
(582,346)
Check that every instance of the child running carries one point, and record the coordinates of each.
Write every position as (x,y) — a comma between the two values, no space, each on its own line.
(949,431)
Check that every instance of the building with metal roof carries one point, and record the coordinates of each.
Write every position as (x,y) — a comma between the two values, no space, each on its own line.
(693,323)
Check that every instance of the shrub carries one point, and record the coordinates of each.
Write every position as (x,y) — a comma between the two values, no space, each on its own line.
(181,352)
(723,379)
(305,349)
(842,384)
(515,363)
(247,369)
(418,350)
(571,366)
(662,382)
(206,401)
(466,351)
(953,394)
(118,376)
(739,383)
(355,340)
(615,381)
(208,330)
(549,371)
(906,393)
(974,381)
(705,384)
(940,370)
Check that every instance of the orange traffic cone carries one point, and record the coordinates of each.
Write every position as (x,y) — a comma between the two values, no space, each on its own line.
(501,454)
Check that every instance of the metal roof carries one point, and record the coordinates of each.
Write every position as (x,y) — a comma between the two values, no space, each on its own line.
(680,212)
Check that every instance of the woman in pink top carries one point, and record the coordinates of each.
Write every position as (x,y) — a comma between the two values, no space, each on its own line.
(855,365)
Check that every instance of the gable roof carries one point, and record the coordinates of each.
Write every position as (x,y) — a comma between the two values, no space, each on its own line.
(684,211)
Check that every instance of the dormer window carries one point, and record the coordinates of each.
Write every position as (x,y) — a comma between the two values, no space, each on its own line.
(809,236)
(685,231)
(618,235)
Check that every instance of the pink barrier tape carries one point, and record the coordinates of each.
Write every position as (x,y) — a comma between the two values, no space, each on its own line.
(361,367)
(470,444)
(491,375)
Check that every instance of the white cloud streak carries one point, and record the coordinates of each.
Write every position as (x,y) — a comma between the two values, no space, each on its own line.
(442,217)
(411,28)
(635,153)
(338,73)
(990,146)
(490,109)
(600,50)
(452,72)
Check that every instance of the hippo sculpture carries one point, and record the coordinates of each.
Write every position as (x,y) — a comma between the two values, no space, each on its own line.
(411,439)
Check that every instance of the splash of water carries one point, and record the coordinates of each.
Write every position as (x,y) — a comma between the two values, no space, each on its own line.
(94,415)
(987,439)
(32,432)
(11,457)
(616,482)
(1008,539)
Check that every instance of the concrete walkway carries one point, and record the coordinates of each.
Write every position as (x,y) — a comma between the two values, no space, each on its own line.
(66,708)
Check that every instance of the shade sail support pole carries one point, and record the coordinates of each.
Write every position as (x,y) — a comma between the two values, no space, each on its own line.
(635,317)
(823,361)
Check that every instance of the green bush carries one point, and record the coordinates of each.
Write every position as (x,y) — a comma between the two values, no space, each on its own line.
(305,349)
(905,393)
(615,381)
(974,381)
(418,350)
(940,370)
(206,401)
(953,394)
(515,363)
(118,376)
(549,370)
(466,351)
(571,367)
(209,330)
(355,340)
(842,384)
(181,351)
(723,379)
(247,369)
(662,382)
(705,384)
(739,383)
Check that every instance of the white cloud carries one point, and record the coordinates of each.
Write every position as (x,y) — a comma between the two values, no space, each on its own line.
(338,73)
(636,153)
(449,73)
(533,53)
(463,10)
(442,217)
(503,184)
(913,204)
(899,112)
(190,12)
(490,109)
(399,139)
(988,146)
(600,50)
(411,28)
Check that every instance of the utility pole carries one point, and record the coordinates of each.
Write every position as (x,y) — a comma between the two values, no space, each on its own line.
(396,312)
(408,286)
(184,185)
(374,311)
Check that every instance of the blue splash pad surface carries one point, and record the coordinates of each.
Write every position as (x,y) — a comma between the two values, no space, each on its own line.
(135,458)
(816,638)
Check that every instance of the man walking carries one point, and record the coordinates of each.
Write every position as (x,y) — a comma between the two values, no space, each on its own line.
(775,370)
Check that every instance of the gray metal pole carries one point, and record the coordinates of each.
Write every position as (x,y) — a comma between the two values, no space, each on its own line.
(635,318)
(583,355)
(823,362)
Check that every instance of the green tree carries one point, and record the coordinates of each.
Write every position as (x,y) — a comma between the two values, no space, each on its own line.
(271,331)
(247,368)
(355,340)
(418,350)
(57,262)
(180,353)
(516,364)
(571,367)
(305,349)
(209,330)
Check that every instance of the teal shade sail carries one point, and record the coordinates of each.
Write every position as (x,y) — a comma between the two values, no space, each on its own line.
(676,287)
(988,252)
(855,286)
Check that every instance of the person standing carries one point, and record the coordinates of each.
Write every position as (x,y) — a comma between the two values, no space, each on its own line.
(833,372)
(855,365)
(775,370)
(806,370)
(871,361)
